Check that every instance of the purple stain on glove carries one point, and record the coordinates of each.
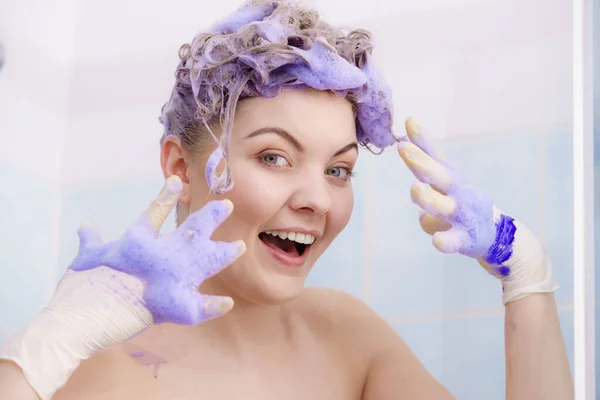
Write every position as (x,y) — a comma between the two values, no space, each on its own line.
(502,248)
(171,266)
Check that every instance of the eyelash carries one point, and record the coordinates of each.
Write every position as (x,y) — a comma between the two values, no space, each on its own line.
(349,172)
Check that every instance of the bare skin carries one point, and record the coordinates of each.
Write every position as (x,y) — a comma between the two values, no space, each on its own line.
(281,340)
(330,346)
(321,350)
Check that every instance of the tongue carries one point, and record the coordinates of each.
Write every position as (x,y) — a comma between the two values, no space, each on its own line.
(277,243)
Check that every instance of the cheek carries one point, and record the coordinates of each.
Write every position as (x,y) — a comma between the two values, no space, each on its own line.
(341,211)
(256,195)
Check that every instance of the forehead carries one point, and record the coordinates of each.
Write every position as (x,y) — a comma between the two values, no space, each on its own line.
(306,113)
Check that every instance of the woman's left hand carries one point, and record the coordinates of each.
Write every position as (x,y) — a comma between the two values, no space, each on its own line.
(462,219)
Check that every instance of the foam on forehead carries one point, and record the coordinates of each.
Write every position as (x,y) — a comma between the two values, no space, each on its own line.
(264,47)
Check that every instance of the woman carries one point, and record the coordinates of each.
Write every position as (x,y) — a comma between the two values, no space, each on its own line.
(269,109)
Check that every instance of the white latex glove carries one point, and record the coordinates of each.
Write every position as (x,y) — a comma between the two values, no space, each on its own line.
(463,219)
(152,278)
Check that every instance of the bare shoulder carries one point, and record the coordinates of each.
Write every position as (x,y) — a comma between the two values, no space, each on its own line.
(103,376)
(336,308)
(392,370)
(348,317)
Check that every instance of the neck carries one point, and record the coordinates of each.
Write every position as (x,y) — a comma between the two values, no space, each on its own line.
(248,324)
(245,331)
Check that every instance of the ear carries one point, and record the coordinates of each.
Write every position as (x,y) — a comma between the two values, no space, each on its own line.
(173,160)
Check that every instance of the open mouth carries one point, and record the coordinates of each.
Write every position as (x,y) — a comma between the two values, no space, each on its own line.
(291,243)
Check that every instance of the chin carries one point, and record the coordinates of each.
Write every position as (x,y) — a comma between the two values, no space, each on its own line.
(258,278)
(267,274)
(269,284)
(279,290)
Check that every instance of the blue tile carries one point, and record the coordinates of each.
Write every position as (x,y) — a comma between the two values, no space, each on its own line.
(506,167)
(467,354)
(565,317)
(426,341)
(431,283)
(561,256)
(558,210)
(30,209)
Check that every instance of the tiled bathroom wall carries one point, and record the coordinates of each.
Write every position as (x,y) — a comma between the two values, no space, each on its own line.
(491,79)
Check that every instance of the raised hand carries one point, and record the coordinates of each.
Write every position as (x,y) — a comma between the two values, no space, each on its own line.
(462,219)
(114,291)
(171,267)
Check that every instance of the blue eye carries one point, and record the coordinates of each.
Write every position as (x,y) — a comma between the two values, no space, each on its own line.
(274,159)
(339,172)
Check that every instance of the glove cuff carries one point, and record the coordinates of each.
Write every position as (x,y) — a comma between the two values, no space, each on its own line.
(41,352)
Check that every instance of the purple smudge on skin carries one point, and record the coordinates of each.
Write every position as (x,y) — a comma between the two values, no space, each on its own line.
(172,266)
(147,359)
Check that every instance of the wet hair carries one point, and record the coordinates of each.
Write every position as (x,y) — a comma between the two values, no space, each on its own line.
(260,49)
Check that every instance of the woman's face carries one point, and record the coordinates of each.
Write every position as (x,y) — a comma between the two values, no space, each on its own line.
(291,158)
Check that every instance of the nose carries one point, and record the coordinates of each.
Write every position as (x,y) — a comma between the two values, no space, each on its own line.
(312,195)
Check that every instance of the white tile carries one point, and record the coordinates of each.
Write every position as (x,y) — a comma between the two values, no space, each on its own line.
(32,69)
(29,232)
(33,137)
(113,147)
(49,24)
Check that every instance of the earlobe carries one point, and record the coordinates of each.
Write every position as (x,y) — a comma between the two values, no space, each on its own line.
(173,162)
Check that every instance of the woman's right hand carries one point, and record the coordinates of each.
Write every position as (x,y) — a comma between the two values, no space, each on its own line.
(115,290)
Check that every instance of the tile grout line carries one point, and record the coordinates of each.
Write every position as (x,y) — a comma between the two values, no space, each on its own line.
(542,158)
(563,305)
(367,234)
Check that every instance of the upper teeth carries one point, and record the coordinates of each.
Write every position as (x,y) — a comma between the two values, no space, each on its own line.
(304,238)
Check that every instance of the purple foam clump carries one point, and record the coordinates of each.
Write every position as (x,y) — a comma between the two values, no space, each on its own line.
(170,266)
(474,216)
(243,16)
(264,47)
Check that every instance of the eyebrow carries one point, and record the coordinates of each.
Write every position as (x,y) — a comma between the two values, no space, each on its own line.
(346,148)
(281,132)
(294,142)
